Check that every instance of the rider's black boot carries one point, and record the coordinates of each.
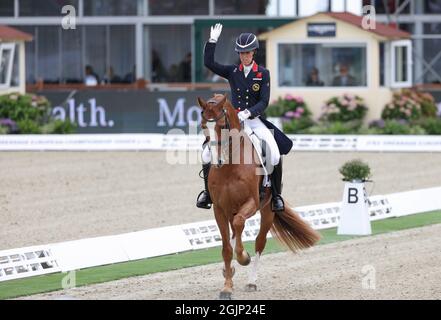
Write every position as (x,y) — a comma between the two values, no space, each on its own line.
(204,200)
(276,188)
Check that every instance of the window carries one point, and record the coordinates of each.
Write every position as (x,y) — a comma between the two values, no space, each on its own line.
(432,7)
(6,63)
(178,7)
(122,67)
(329,64)
(95,50)
(307,8)
(44,8)
(170,59)
(113,7)
(48,53)
(230,7)
(71,56)
(390,6)
(15,76)
(7,8)
(401,64)
(432,71)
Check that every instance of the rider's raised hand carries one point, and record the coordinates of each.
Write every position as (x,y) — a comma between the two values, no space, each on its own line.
(215,32)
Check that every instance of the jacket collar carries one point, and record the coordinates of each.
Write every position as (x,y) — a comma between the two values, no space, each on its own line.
(255,66)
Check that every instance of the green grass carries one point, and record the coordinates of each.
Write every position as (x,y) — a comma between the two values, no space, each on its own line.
(52,282)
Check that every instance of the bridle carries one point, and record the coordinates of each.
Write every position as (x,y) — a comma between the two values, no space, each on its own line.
(220,143)
(223,114)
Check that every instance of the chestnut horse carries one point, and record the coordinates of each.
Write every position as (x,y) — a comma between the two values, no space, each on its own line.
(234,189)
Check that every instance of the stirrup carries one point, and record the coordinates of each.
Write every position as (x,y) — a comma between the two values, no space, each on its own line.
(206,204)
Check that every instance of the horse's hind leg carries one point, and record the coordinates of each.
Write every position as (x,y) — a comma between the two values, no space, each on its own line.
(227,254)
(266,221)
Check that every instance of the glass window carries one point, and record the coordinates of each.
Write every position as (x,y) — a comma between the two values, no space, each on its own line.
(178,7)
(113,7)
(15,76)
(401,64)
(95,52)
(44,7)
(432,6)
(335,65)
(432,28)
(390,6)
(122,55)
(307,8)
(409,27)
(48,53)
(431,50)
(71,56)
(6,8)
(6,60)
(240,7)
(170,59)
(382,64)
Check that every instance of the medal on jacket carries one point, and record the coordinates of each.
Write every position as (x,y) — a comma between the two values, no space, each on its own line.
(256,87)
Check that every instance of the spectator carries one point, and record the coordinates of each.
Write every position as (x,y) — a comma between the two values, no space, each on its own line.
(91,78)
(314,79)
(185,69)
(344,79)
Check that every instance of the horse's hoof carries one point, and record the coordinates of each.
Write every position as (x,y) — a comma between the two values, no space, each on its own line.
(225,296)
(233,271)
(250,287)
(247,261)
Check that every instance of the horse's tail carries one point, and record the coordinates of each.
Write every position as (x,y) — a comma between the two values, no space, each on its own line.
(290,229)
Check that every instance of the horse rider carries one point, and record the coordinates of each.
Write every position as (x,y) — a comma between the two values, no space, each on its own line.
(250,94)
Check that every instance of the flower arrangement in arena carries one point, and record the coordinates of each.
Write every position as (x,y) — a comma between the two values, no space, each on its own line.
(295,114)
(342,109)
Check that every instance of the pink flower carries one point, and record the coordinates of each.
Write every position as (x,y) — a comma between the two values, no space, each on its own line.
(290,114)
(299,100)
(300,110)
(289,97)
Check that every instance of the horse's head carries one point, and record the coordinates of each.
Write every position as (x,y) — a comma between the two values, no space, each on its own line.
(214,110)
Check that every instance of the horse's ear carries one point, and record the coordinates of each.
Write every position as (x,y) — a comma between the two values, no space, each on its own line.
(222,102)
(202,103)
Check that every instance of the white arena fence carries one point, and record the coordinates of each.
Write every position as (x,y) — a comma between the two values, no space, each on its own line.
(85,253)
(163,142)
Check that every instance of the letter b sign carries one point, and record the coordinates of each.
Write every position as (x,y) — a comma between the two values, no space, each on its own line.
(352,195)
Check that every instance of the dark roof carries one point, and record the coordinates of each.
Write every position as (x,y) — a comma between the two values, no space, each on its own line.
(8,33)
(380,28)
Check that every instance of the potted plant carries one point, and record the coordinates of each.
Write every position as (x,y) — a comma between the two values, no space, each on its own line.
(355,171)
(354,217)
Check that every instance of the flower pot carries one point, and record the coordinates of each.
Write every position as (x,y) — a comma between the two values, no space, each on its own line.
(354,213)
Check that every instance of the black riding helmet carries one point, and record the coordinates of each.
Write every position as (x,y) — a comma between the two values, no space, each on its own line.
(246,42)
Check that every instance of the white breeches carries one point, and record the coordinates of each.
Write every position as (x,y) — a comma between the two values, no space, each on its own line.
(263,133)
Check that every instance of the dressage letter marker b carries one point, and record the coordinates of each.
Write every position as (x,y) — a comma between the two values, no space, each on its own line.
(352,195)
(354,218)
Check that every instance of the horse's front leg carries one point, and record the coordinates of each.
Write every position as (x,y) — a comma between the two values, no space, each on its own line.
(227,254)
(247,210)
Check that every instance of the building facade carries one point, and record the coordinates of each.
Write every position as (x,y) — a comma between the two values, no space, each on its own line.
(161,40)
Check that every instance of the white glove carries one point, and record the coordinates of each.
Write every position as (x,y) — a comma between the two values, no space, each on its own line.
(243,115)
(215,32)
